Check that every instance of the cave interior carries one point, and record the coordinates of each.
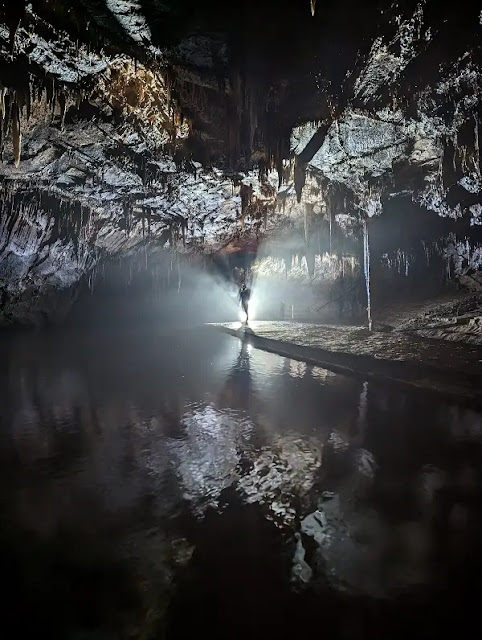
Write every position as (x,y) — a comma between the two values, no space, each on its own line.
(185,133)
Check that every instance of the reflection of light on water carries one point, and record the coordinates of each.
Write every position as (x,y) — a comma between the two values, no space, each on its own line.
(280,471)
(362,409)
(206,458)
(322,374)
(297,369)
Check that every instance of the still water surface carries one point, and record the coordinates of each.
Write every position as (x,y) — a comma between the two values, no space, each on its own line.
(169,484)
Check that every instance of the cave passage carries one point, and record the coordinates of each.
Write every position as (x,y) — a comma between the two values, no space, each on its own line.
(319,162)
(160,483)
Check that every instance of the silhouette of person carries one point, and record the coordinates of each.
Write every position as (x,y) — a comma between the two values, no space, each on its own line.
(282,310)
(244,296)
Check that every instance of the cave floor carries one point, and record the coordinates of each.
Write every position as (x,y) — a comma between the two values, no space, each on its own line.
(454,368)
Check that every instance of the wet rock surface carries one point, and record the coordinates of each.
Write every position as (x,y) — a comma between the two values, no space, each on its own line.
(453,367)
(453,321)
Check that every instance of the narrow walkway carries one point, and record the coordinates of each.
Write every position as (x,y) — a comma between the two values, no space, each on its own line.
(451,368)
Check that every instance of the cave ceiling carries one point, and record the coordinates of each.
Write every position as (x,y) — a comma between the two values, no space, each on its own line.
(108,94)
(192,121)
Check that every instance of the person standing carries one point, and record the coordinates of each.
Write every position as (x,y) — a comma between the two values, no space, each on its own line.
(282,310)
(244,296)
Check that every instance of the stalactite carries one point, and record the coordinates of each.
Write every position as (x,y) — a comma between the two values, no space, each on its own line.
(299,176)
(3,92)
(246,194)
(366,261)
(6,124)
(477,154)
(330,213)
(16,134)
(63,109)
(313,7)
(49,91)
(307,222)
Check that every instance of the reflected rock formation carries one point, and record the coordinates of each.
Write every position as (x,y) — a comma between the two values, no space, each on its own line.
(281,475)
(375,534)
(348,536)
(207,456)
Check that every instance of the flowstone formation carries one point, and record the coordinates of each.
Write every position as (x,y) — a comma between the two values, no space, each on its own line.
(180,126)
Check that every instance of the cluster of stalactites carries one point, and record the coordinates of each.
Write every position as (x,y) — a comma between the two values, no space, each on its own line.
(16,104)
(11,118)
(18,101)
(70,219)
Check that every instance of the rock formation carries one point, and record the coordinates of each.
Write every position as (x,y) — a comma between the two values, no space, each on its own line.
(129,124)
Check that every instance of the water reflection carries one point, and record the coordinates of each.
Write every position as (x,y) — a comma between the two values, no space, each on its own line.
(207,457)
(135,455)
(238,387)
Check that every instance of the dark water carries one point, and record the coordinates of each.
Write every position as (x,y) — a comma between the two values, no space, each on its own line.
(158,486)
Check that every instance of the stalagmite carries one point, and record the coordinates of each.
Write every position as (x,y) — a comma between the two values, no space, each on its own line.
(366,261)
(16,135)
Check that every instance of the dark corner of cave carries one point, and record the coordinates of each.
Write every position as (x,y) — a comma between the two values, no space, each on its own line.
(240,319)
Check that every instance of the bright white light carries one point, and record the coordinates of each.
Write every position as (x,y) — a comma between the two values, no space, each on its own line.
(242,313)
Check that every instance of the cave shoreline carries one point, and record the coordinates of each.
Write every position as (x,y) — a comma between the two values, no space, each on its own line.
(433,372)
